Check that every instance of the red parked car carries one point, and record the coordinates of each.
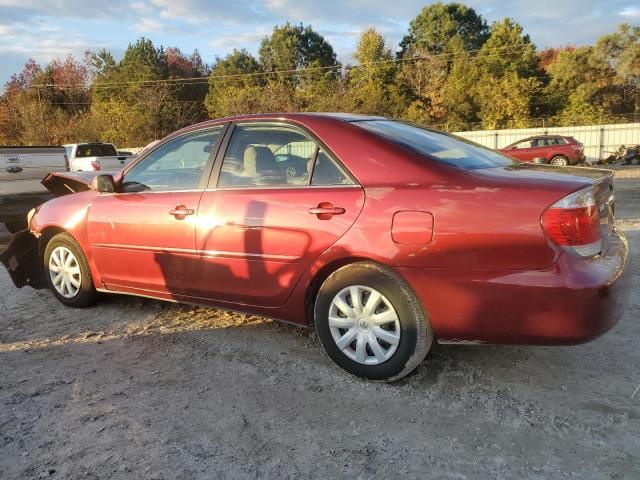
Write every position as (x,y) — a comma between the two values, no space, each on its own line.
(551,149)
(381,235)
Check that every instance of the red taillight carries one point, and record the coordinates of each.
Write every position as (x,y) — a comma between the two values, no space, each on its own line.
(95,165)
(574,222)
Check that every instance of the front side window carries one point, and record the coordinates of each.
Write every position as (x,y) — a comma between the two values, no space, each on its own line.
(177,165)
(438,146)
(276,156)
(524,144)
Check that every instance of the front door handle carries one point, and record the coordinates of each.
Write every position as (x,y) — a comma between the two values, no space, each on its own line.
(181,211)
(326,210)
(14,169)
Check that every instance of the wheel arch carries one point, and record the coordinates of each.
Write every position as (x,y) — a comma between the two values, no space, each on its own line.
(47,234)
(318,279)
(325,271)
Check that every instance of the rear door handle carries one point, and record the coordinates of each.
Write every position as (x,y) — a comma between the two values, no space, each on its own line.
(326,210)
(14,169)
(181,211)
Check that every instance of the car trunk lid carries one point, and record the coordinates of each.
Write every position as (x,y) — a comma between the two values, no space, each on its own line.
(564,181)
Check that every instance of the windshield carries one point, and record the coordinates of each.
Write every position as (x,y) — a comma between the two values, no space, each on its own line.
(439,146)
(96,150)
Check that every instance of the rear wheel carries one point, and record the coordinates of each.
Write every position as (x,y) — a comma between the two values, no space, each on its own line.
(370,322)
(67,272)
(559,161)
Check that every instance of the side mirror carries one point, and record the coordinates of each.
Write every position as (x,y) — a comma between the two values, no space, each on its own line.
(103,184)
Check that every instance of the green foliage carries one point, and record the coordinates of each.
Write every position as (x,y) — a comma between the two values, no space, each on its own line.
(370,82)
(508,50)
(506,102)
(440,24)
(293,47)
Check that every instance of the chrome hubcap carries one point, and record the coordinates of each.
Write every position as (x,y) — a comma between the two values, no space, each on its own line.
(364,325)
(64,272)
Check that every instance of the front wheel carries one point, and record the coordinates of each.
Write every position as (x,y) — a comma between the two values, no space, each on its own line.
(67,272)
(370,322)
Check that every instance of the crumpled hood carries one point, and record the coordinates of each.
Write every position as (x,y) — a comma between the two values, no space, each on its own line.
(64,183)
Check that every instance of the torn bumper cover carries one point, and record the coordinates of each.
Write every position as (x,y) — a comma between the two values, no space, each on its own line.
(21,258)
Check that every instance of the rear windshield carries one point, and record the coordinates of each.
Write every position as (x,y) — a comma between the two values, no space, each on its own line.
(96,150)
(439,146)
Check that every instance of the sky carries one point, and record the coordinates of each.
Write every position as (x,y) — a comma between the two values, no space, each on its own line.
(48,29)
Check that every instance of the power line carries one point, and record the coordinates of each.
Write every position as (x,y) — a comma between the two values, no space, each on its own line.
(296,71)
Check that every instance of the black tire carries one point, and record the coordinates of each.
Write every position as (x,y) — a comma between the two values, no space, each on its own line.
(86,294)
(559,161)
(416,334)
(16,226)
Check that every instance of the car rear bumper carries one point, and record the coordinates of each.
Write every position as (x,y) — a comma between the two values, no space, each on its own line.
(573,302)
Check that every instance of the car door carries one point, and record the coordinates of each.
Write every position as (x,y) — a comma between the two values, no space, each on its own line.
(143,236)
(261,223)
(542,148)
(523,150)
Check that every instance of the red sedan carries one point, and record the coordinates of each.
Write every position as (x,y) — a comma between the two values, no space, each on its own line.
(552,149)
(381,235)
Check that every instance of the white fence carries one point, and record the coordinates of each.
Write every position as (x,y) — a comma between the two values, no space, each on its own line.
(599,140)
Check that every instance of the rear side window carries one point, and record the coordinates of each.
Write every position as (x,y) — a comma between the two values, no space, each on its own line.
(96,150)
(268,155)
(441,147)
(326,172)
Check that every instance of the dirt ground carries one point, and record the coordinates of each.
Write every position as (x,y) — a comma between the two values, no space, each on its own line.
(135,388)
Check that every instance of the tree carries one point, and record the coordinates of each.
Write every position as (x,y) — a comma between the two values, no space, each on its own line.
(508,50)
(438,24)
(295,47)
(620,51)
(548,56)
(102,62)
(232,82)
(370,81)
(143,61)
(506,102)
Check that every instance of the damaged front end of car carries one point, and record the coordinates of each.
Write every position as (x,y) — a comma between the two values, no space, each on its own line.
(23,256)
(22,260)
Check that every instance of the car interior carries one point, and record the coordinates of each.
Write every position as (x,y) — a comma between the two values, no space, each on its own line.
(276,156)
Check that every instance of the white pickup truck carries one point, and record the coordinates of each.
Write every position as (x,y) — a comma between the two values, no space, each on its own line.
(21,172)
(95,156)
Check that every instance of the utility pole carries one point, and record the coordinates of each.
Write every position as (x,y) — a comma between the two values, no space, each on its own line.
(44,127)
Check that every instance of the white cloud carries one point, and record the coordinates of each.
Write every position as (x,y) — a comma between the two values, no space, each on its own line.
(148,25)
(633,12)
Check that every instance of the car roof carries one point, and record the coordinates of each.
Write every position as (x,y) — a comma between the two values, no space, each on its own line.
(300,116)
(542,136)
